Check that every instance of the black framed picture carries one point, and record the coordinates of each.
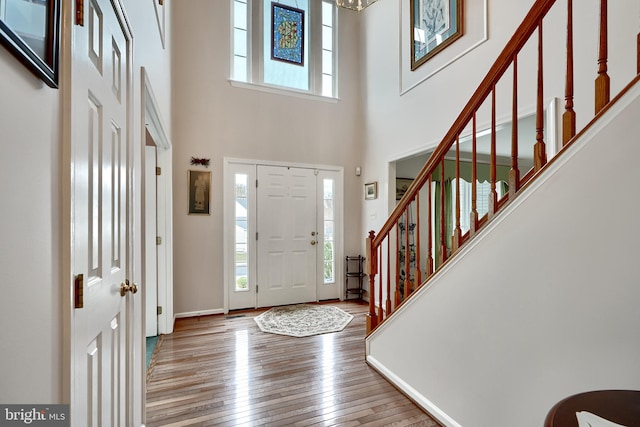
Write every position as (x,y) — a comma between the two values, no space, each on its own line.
(287,34)
(30,30)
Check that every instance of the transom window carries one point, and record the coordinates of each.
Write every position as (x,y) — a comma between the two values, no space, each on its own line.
(286,44)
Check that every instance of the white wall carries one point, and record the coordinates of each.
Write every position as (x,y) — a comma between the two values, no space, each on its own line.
(541,307)
(213,119)
(30,220)
(29,186)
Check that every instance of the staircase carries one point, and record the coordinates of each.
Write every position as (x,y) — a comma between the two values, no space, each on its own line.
(537,300)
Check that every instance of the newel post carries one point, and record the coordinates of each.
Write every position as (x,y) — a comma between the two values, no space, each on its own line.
(372,270)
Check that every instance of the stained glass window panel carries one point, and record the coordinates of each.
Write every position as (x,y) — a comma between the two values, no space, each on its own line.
(276,72)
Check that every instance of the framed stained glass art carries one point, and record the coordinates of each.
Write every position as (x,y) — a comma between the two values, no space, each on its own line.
(287,34)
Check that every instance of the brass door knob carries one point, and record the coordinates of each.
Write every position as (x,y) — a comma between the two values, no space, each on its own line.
(126,286)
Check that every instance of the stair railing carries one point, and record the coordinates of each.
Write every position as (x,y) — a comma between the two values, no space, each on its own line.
(396,266)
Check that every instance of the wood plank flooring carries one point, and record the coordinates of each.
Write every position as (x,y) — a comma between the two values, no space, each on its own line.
(223,371)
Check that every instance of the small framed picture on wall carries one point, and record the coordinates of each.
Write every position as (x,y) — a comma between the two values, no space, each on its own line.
(371,191)
(199,192)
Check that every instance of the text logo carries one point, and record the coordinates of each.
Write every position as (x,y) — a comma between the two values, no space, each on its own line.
(34,415)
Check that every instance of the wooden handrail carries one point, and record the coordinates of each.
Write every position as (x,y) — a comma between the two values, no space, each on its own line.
(444,241)
(500,66)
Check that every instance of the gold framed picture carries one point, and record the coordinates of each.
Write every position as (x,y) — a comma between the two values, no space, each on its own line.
(435,24)
(199,192)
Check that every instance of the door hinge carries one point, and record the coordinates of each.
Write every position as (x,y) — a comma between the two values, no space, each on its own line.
(158,170)
(256,289)
(256,183)
(158,240)
(80,13)
(256,235)
(78,291)
(159,310)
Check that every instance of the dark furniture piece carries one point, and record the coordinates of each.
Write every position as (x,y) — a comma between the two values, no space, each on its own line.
(354,270)
(618,406)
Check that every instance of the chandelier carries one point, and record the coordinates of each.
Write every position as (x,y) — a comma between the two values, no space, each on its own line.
(356,5)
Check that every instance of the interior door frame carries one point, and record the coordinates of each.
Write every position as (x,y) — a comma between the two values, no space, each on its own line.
(229,216)
(150,217)
(157,130)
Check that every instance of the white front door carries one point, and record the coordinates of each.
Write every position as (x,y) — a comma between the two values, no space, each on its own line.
(287,235)
(101,213)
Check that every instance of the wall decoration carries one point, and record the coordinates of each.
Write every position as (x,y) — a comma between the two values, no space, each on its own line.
(402,185)
(287,34)
(435,24)
(199,192)
(476,33)
(371,191)
(203,162)
(158,5)
(30,30)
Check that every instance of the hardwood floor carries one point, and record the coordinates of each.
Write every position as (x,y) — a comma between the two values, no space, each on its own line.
(223,371)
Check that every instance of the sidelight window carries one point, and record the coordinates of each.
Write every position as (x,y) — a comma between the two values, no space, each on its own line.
(329,226)
(241,233)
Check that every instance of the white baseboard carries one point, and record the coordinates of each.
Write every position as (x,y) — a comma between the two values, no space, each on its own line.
(413,394)
(199,313)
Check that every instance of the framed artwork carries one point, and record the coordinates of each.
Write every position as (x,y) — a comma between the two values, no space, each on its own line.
(30,30)
(199,192)
(371,191)
(435,24)
(402,185)
(160,18)
(287,34)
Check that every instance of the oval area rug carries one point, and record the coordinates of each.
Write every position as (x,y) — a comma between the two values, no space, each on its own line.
(303,320)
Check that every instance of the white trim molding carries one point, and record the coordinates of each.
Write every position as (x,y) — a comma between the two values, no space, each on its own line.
(412,393)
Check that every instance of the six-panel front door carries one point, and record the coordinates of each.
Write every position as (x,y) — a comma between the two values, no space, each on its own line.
(101,217)
(287,243)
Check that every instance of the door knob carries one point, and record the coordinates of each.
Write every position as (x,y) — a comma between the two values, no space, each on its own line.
(126,286)
(313,233)
(313,242)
